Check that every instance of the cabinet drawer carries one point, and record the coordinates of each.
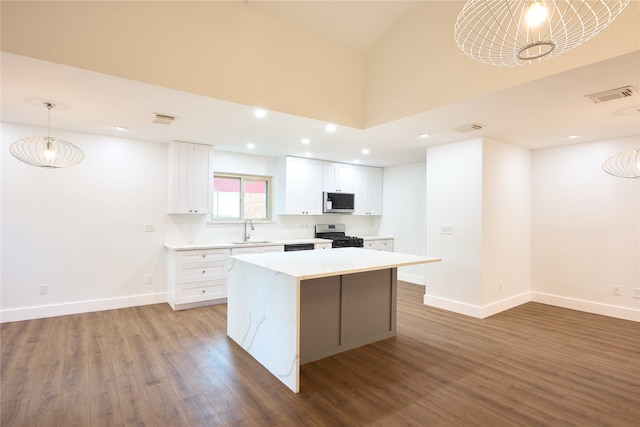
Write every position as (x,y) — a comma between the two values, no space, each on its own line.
(199,274)
(201,257)
(385,245)
(201,291)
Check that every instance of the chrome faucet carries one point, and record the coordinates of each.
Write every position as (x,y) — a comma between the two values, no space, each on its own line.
(247,235)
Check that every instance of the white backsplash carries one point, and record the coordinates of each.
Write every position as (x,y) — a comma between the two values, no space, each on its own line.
(187,229)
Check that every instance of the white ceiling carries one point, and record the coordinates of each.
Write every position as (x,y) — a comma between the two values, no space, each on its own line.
(356,24)
(538,114)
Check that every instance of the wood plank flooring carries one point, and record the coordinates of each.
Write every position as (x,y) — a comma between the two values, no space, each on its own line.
(534,365)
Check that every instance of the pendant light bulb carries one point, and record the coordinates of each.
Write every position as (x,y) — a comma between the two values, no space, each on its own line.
(536,14)
(48,150)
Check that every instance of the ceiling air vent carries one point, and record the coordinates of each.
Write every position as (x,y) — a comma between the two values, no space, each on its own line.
(467,128)
(608,95)
(162,119)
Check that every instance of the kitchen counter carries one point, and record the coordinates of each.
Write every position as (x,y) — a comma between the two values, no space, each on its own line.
(377,238)
(290,308)
(257,243)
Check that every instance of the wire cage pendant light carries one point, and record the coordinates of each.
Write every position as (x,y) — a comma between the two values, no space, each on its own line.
(45,151)
(623,165)
(518,32)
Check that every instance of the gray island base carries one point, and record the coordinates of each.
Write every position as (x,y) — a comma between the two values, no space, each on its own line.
(291,308)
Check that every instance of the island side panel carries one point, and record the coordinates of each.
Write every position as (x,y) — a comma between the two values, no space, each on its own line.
(262,317)
(320,318)
(369,301)
(343,312)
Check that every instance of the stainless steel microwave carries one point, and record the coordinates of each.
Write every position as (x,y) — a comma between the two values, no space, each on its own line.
(337,202)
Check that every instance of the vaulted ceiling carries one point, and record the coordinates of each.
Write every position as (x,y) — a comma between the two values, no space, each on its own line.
(385,78)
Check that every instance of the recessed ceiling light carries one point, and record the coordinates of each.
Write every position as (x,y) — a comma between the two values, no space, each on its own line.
(251,146)
(574,136)
(307,154)
(331,127)
(365,151)
(356,161)
(120,128)
(424,135)
(260,112)
(305,141)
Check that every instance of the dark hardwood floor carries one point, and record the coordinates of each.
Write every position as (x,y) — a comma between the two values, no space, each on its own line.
(534,365)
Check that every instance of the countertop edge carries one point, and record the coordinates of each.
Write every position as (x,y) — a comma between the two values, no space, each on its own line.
(364,269)
(290,263)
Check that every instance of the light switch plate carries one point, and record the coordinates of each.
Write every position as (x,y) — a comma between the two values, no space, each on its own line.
(446,229)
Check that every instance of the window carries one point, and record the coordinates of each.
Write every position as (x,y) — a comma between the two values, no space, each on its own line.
(238,197)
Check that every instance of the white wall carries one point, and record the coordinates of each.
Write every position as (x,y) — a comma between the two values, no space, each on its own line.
(585,230)
(403,219)
(506,223)
(481,189)
(454,198)
(81,230)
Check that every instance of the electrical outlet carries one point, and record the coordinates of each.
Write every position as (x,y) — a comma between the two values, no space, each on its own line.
(43,289)
(147,279)
(615,290)
(149,228)
(636,293)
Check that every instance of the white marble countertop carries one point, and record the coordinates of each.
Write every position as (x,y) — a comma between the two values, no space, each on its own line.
(313,264)
(222,245)
(217,245)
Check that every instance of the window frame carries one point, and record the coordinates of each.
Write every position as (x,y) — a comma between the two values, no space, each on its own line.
(243,178)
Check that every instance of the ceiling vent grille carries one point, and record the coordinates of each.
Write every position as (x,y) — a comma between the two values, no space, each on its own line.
(609,95)
(467,128)
(162,119)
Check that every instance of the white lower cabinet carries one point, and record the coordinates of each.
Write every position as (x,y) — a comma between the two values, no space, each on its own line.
(322,246)
(379,245)
(257,249)
(197,278)
(266,249)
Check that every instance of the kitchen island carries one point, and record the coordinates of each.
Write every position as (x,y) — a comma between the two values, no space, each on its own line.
(290,308)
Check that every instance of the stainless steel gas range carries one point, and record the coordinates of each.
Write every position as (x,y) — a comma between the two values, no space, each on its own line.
(337,234)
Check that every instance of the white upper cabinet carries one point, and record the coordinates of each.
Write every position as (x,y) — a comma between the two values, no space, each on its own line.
(190,178)
(337,177)
(368,190)
(303,186)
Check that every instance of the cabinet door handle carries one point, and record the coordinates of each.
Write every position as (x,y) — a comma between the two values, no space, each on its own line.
(203,291)
(204,271)
(204,256)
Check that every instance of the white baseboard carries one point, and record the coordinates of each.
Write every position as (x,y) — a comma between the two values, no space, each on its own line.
(411,278)
(587,306)
(555,300)
(479,312)
(26,313)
